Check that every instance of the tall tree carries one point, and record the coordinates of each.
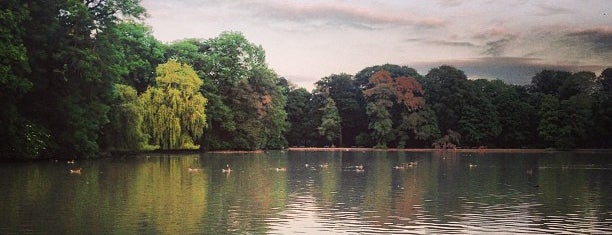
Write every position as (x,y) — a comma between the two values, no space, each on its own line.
(20,137)
(549,81)
(445,87)
(349,101)
(517,117)
(138,55)
(238,84)
(330,122)
(602,111)
(380,97)
(362,78)
(297,116)
(73,68)
(174,110)
(124,130)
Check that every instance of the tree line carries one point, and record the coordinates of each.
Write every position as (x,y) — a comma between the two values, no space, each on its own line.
(81,77)
(394,106)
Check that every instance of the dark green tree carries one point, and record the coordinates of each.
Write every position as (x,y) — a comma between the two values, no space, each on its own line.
(297,116)
(602,111)
(330,121)
(239,85)
(349,101)
(548,81)
(139,54)
(445,88)
(124,130)
(73,65)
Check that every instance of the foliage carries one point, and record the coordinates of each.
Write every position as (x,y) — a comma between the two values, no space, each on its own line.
(140,54)
(342,88)
(379,98)
(246,101)
(297,116)
(330,122)
(62,97)
(124,130)
(174,110)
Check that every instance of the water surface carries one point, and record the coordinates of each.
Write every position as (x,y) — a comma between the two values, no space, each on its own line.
(284,192)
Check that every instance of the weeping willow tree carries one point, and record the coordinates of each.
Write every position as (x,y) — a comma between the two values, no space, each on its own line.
(174,109)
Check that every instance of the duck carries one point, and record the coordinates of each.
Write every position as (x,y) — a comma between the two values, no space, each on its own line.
(281,169)
(324,165)
(412,164)
(359,168)
(226,170)
(75,171)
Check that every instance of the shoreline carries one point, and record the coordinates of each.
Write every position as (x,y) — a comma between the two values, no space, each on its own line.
(336,149)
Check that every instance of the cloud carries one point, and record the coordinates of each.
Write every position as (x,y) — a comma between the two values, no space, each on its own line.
(599,38)
(548,10)
(450,3)
(338,14)
(497,47)
(513,70)
(452,43)
(494,32)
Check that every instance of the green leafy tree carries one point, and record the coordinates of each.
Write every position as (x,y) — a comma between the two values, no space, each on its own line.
(602,111)
(20,137)
(549,81)
(138,54)
(124,130)
(297,116)
(515,114)
(349,101)
(445,88)
(73,67)
(174,110)
(238,84)
(330,122)
(478,122)
(380,97)
(550,127)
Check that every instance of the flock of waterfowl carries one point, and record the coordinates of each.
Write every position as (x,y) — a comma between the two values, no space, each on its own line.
(356,168)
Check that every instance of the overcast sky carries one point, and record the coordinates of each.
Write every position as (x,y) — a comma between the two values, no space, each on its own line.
(307,40)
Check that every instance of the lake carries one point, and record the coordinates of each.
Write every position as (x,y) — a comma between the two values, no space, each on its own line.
(288,192)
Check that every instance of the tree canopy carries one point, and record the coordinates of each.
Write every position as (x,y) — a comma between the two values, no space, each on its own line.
(82,77)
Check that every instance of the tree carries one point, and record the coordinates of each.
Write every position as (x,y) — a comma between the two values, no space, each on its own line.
(174,110)
(238,84)
(445,88)
(549,81)
(420,126)
(578,83)
(362,78)
(349,101)
(138,55)
(20,137)
(73,68)
(297,116)
(330,122)
(602,111)
(380,99)
(517,117)
(124,130)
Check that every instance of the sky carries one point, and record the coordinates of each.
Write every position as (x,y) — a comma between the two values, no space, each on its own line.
(308,40)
